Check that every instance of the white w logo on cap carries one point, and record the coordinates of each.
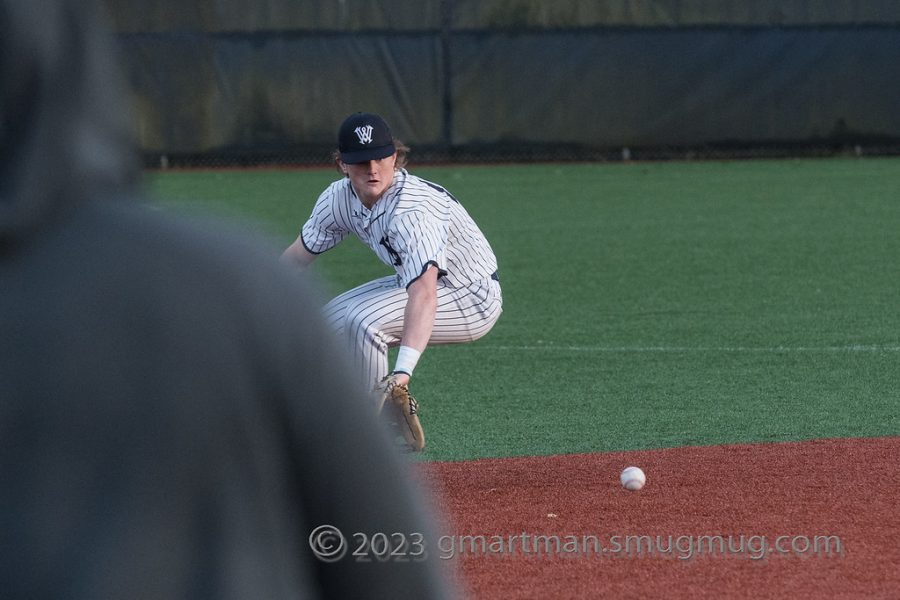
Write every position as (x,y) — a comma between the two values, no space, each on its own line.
(364,134)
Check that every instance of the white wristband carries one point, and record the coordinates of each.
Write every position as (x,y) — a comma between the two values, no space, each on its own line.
(406,360)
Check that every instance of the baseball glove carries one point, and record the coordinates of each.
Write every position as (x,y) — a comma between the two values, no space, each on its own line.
(402,410)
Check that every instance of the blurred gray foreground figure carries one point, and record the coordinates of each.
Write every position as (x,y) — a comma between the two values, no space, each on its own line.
(168,428)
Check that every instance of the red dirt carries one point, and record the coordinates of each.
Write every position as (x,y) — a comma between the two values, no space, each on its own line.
(844,487)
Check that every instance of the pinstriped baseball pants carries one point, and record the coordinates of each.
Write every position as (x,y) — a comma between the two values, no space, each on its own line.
(370,319)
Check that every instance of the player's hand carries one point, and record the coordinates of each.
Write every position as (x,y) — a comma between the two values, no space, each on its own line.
(398,406)
(401,378)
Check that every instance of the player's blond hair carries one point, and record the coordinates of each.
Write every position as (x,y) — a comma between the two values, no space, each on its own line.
(402,157)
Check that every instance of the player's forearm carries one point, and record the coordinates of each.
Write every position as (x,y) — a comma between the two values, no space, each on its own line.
(418,318)
(418,322)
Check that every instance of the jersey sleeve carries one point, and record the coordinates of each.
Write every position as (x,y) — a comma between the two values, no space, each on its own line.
(421,239)
(325,227)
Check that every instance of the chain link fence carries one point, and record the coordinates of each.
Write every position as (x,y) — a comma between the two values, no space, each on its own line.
(222,84)
(320,156)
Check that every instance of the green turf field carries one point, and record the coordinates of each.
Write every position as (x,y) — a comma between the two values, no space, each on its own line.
(646,305)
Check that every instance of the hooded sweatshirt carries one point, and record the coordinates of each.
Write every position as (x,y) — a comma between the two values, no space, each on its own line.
(174,420)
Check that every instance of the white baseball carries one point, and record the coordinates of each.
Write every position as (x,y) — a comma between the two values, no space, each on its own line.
(633,478)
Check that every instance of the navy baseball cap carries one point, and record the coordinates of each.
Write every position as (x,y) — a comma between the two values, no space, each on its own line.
(364,137)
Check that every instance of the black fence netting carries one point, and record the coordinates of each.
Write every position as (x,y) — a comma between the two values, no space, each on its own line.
(215,84)
(530,153)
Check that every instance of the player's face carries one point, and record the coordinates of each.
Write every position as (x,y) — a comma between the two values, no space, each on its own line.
(371,179)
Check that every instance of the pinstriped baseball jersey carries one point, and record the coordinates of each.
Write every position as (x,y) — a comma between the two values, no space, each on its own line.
(414,224)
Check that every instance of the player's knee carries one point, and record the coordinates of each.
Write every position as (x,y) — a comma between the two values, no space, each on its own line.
(335,319)
(356,322)
(359,322)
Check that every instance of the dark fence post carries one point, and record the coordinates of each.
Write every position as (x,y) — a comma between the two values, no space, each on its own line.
(446,65)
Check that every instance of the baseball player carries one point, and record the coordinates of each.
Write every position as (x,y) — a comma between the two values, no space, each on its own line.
(446,288)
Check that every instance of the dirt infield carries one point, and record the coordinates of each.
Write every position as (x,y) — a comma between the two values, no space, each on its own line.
(806,520)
